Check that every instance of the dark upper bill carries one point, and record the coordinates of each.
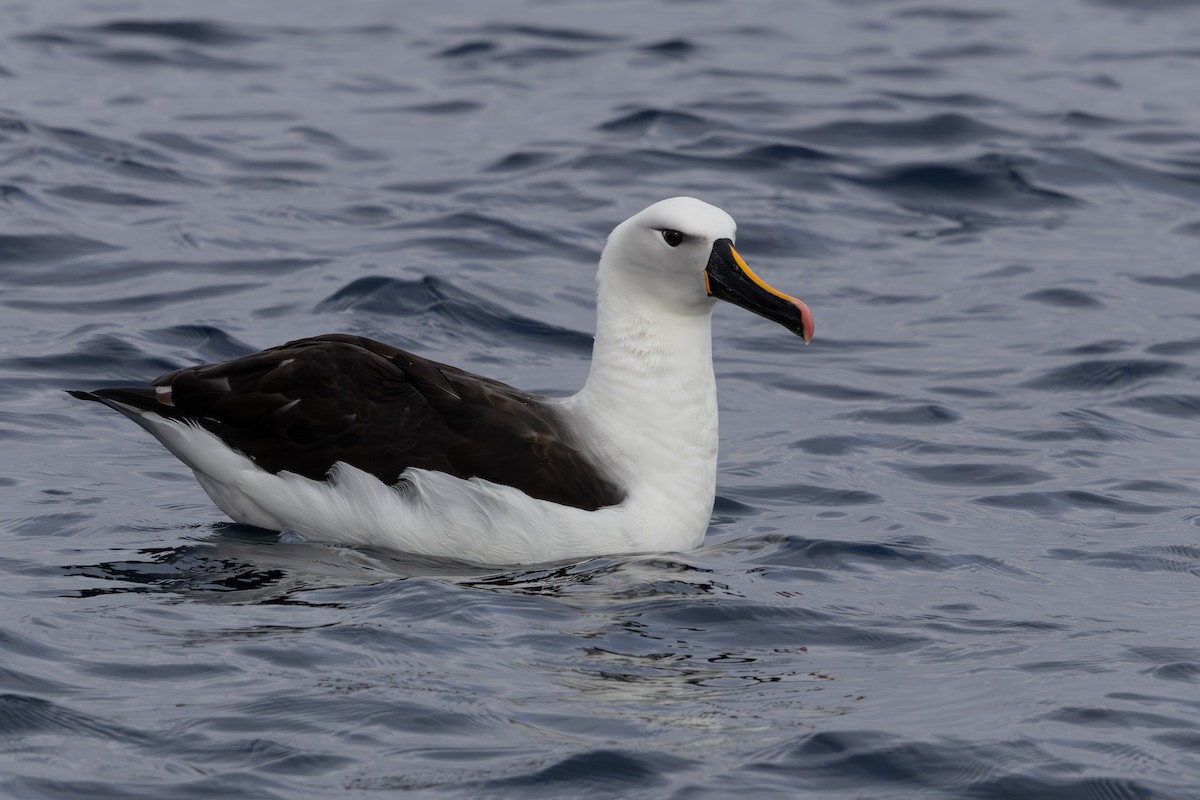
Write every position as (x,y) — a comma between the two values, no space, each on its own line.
(729,278)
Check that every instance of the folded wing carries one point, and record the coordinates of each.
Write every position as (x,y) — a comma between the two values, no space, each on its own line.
(309,404)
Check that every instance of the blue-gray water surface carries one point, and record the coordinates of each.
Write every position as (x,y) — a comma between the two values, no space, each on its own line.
(956,545)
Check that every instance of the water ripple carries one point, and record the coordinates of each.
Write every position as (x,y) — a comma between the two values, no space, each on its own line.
(954,544)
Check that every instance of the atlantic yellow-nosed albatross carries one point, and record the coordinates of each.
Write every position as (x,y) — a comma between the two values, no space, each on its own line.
(343,439)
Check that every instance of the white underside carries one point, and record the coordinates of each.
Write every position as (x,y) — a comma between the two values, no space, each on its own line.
(427,512)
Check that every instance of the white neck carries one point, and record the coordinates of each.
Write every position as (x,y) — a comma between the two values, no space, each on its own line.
(650,405)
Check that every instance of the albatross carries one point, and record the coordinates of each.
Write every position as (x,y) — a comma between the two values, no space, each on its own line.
(346,440)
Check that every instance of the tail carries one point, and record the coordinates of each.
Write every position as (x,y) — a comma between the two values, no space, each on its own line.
(174,430)
(133,403)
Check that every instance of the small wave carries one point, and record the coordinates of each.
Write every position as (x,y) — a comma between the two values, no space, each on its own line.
(1189,282)
(22,715)
(1064,298)
(101,196)
(974,474)
(938,129)
(925,414)
(678,48)
(661,122)
(987,181)
(40,248)
(597,771)
(135,302)
(98,358)
(435,296)
(195,31)
(1181,406)
(1067,501)
(1090,376)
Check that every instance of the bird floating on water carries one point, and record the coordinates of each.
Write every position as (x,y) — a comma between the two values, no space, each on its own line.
(342,439)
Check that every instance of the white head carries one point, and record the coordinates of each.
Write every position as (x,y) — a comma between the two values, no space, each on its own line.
(678,254)
(662,251)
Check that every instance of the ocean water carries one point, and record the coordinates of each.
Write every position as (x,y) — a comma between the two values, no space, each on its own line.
(956,546)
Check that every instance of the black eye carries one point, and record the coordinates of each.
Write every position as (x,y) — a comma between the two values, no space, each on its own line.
(672,238)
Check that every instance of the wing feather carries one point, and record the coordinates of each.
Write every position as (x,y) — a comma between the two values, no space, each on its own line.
(309,404)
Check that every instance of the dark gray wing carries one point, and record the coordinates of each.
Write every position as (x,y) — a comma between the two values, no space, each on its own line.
(308,404)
